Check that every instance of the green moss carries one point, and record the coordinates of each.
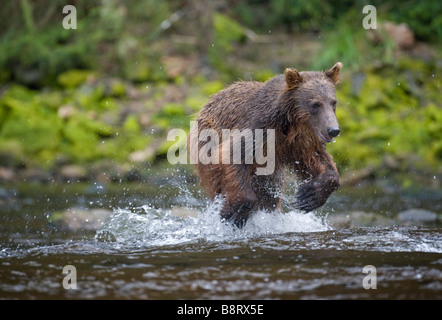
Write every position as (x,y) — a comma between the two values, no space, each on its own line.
(31,124)
(79,142)
(106,104)
(263,75)
(88,97)
(196,102)
(131,124)
(11,153)
(173,110)
(118,89)
(388,118)
(137,71)
(226,31)
(73,78)
(162,123)
(212,87)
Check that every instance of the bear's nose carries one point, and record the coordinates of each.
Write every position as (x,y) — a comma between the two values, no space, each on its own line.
(333,132)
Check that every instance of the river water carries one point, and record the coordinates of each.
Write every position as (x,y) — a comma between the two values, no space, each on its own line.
(169,243)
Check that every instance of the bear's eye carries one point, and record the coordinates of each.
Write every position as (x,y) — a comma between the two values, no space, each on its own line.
(316,105)
(333,103)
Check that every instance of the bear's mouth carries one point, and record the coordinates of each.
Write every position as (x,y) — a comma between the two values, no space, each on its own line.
(326,138)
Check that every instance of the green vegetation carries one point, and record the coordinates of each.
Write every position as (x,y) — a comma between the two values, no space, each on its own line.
(114,87)
(390,112)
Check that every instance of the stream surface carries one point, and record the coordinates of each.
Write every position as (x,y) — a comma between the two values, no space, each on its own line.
(169,243)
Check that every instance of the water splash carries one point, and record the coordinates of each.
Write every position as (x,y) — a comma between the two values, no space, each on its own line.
(157,227)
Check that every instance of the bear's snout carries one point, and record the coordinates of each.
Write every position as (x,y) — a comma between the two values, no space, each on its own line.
(333,132)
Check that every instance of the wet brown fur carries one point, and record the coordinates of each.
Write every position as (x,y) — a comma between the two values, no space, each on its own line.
(275,104)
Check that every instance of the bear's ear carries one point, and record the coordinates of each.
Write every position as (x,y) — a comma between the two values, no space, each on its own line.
(292,77)
(333,73)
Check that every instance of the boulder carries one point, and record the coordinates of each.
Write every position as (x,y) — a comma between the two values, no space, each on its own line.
(415,215)
(359,219)
(6,174)
(78,219)
(73,172)
(369,219)
(401,34)
(339,221)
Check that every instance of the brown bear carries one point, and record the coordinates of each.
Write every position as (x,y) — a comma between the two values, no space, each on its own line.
(300,109)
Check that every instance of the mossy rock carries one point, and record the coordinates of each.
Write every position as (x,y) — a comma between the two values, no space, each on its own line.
(73,78)
(173,110)
(118,88)
(131,124)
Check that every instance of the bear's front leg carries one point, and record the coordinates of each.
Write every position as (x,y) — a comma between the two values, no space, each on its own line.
(315,193)
(239,198)
(237,207)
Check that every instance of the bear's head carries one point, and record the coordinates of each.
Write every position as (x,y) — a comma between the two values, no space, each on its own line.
(312,97)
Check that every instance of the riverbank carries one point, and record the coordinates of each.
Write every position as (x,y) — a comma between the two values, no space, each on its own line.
(387,176)
(81,206)
(94,106)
